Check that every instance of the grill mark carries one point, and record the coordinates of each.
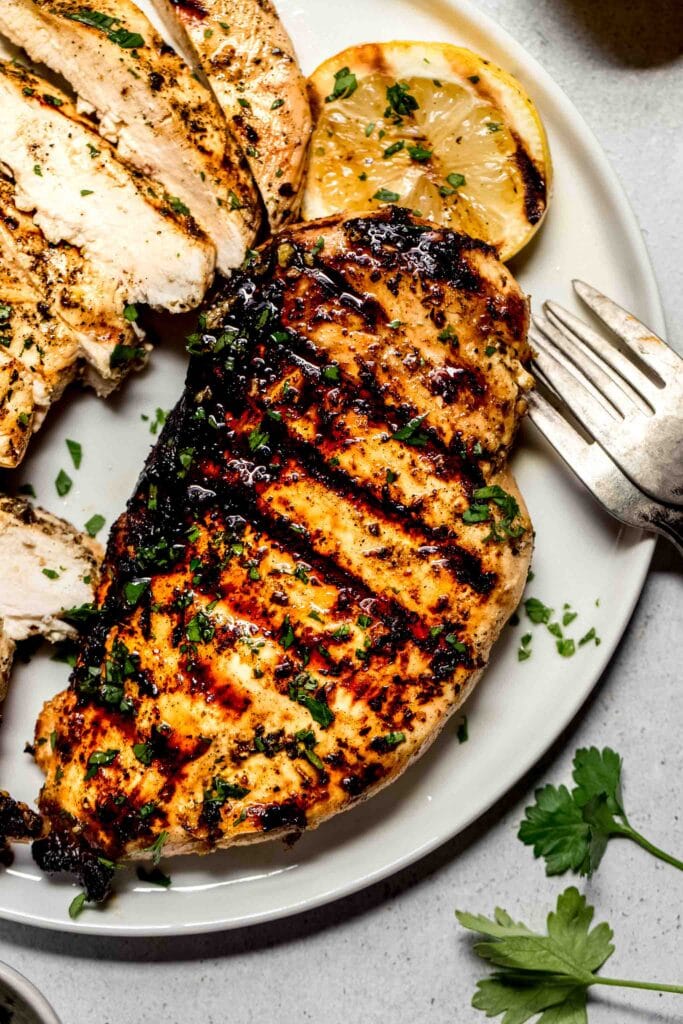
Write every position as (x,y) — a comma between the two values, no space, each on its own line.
(535,189)
(469,569)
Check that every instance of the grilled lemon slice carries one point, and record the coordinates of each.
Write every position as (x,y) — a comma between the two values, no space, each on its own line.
(432,127)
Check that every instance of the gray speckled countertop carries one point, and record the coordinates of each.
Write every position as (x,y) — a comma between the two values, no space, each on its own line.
(394,953)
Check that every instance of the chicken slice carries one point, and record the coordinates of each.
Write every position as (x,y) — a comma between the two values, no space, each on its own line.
(16,408)
(163,121)
(80,193)
(7,648)
(92,304)
(56,312)
(46,566)
(243,49)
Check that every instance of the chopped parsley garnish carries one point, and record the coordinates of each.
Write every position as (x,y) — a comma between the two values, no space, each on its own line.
(463,734)
(177,205)
(479,512)
(221,791)
(395,324)
(566,647)
(395,147)
(144,753)
(287,637)
(537,611)
(75,451)
(524,650)
(400,100)
(394,739)
(385,195)
(590,635)
(38,170)
(123,354)
(342,632)
(364,621)
(391,476)
(276,104)
(369,129)
(63,483)
(411,433)
(448,334)
(185,458)
(134,590)
(77,905)
(130,313)
(257,439)
(345,84)
(87,192)
(99,759)
(94,524)
(200,629)
(160,417)
(455,179)
(51,574)
(301,691)
(106,23)
(419,153)
(331,374)
(494,126)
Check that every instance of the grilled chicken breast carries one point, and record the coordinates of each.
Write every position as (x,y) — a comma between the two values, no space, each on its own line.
(319,554)
(71,181)
(163,121)
(59,317)
(243,49)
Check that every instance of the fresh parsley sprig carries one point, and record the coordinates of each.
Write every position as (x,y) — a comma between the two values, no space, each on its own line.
(571,829)
(545,975)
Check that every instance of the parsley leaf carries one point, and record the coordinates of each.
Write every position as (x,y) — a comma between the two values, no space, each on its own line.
(537,972)
(94,525)
(76,452)
(570,830)
(400,100)
(345,84)
(504,528)
(63,483)
(385,195)
(411,432)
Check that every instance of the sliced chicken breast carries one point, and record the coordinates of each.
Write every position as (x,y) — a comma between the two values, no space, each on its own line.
(163,121)
(243,49)
(78,192)
(59,318)
(46,567)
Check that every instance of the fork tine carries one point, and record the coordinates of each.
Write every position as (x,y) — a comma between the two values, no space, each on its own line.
(587,461)
(638,386)
(587,409)
(654,352)
(602,380)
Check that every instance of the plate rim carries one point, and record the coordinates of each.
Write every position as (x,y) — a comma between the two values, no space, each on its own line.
(642,553)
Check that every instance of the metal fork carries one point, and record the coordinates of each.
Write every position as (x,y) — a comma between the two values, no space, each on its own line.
(633,407)
(602,477)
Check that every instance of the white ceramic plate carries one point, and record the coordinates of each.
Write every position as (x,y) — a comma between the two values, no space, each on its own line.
(581,557)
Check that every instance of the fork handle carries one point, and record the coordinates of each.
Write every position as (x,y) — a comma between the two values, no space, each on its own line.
(668,522)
